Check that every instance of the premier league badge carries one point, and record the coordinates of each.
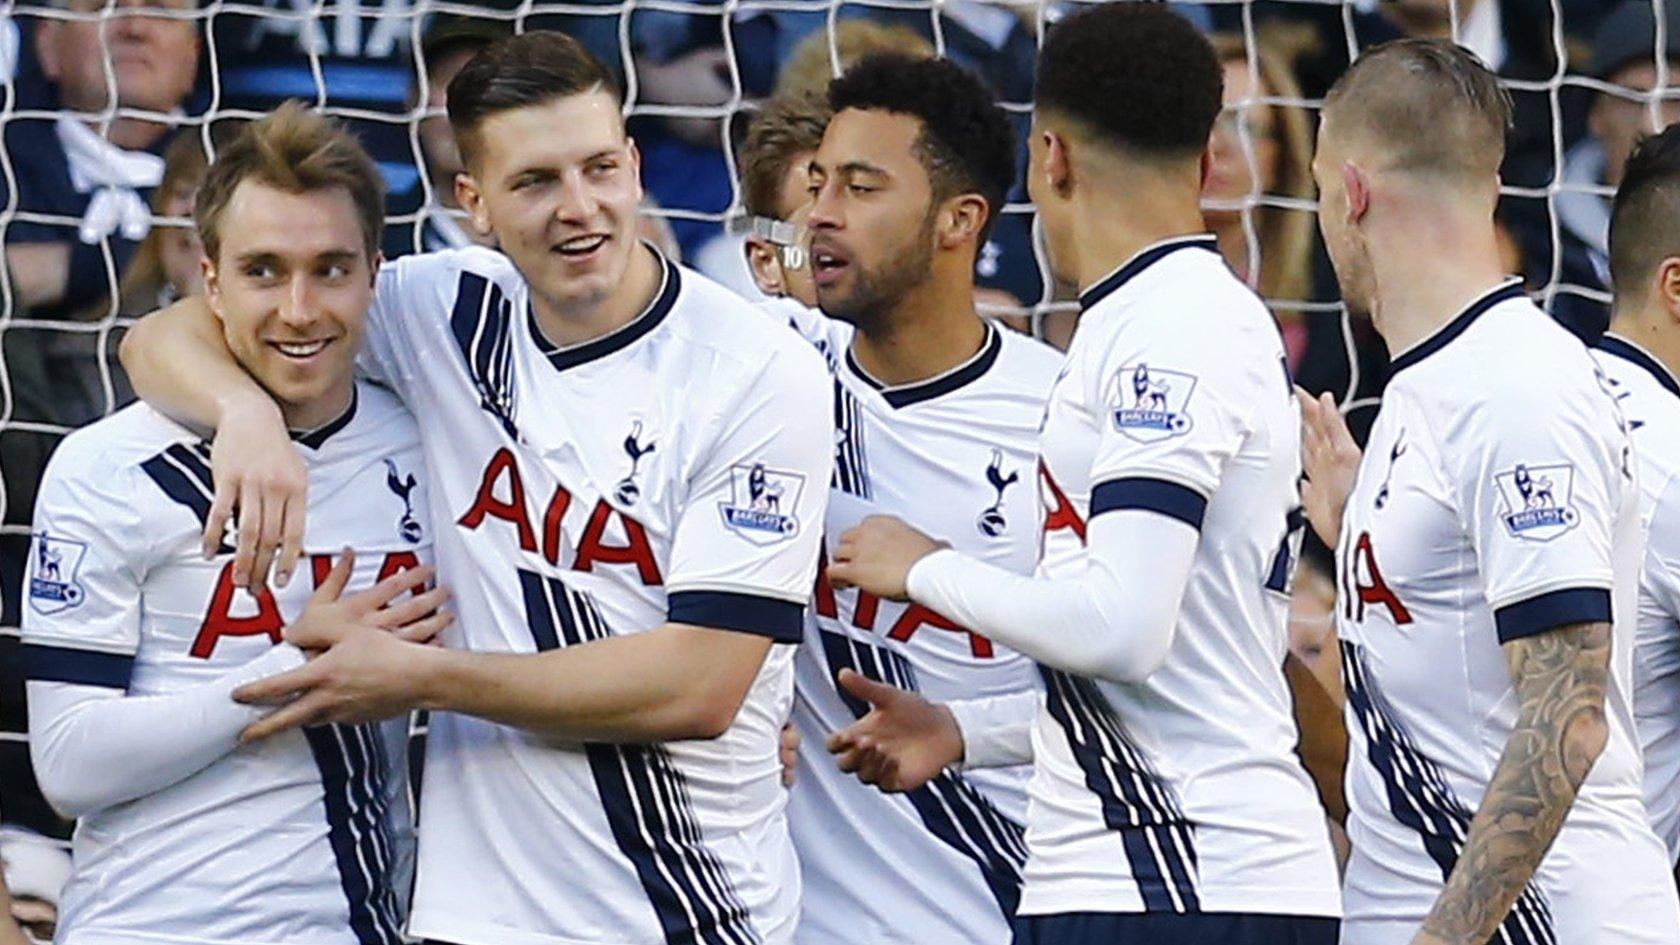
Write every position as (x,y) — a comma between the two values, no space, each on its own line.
(53,587)
(1536,500)
(762,502)
(1152,403)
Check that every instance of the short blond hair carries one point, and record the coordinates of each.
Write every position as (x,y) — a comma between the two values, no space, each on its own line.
(783,130)
(811,66)
(297,151)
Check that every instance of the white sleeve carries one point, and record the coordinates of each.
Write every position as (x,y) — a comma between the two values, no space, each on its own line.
(1540,474)
(1114,621)
(1662,550)
(744,556)
(996,731)
(93,747)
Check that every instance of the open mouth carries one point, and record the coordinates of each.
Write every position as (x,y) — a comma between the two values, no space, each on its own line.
(581,247)
(301,350)
(826,266)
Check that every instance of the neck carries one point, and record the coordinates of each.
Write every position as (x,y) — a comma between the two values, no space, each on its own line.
(322,410)
(131,134)
(1655,331)
(1233,240)
(931,330)
(1112,224)
(1428,272)
(581,322)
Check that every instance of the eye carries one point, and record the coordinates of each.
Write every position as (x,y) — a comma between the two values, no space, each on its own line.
(262,272)
(336,271)
(602,168)
(860,189)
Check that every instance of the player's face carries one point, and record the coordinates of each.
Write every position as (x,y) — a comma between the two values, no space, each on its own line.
(291,284)
(1341,240)
(795,204)
(559,185)
(871,216)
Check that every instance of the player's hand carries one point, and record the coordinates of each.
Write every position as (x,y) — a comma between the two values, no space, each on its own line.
(256,469)
(904,741)
(789,751)
(1428,938)
(368,675)
(333,616)
(877,556)
(1331,459)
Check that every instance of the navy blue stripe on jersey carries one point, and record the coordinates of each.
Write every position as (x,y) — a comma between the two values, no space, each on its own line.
(1151,495)
(951,808)
(351,779)
(780,620)
(955,379)
(851,463)
(1420,798)
(41,663)
(645,798)
(1137,264)
(1444,335)
(1136,803)
(482,322)
(1628,351)
(650,318)
(184,476)
(1551,610)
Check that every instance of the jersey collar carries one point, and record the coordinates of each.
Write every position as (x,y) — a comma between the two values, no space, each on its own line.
(317,438)
(1143,259)
(1504,292)
(1628,351)
(963,374)
(573,355)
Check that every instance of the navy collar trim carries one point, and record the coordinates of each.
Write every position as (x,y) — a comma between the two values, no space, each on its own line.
(956,378)
(316,438)
(619,338)
(1504,292)
(1628,351)
(1146,257)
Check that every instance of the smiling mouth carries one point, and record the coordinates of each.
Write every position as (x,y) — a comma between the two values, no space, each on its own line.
(301,350)
(580,246)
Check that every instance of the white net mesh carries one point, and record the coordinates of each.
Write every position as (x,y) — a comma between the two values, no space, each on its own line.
(693,71)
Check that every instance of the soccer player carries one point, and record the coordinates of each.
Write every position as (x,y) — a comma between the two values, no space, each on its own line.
(1489,545)
(1640,355)
(1167,802)
(633,471)
(937,414)
(775,178)
(133,640)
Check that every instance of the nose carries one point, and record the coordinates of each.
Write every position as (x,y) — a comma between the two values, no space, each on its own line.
(577,202)
(825,211)
(297,309)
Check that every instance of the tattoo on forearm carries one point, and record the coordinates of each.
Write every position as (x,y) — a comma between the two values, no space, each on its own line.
(1560,678)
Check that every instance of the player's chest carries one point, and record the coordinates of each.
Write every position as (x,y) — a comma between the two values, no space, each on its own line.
(1404,550)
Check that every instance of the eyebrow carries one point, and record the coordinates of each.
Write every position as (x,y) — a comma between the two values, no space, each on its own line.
(849,167)
(267,255)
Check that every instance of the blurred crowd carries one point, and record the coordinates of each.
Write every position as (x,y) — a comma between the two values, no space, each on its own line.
(112,109)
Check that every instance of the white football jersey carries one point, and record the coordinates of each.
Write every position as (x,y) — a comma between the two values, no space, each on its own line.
(1495,500)
(955,457)
(1182,793)
(1650,399)
(304,837)
(674,469)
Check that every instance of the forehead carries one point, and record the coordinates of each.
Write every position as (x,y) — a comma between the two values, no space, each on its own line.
(882,138)
(557,131)
(264,219)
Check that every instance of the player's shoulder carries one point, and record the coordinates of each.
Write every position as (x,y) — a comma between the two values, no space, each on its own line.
(1179,295)
(123,439)
(385,417)
(1027,362)
(731,331)
(829,336)
(446,265)
(433,283)
(1504,351)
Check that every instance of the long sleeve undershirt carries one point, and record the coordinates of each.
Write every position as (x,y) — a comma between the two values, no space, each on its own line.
(1113,621)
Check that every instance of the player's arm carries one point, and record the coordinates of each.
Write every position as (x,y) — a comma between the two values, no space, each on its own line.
(1560,677)
(178,361)
(1115,621)
(732,592)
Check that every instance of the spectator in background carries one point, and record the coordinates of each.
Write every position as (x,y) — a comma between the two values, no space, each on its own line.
(91,174)
(166,269)
(1625,56)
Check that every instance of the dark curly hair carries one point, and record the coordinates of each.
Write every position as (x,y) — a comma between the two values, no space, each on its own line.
(967,144)
(1136,74)
(1642,231)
